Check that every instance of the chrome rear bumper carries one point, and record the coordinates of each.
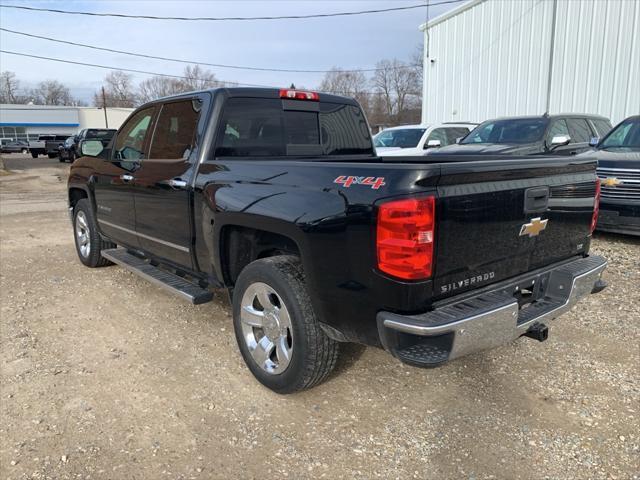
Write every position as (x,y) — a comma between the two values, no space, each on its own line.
(489,319)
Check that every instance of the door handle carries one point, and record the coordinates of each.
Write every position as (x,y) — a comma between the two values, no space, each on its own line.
(127,178)
(177,183)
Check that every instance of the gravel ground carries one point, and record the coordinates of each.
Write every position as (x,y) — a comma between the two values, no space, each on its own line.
(105,376)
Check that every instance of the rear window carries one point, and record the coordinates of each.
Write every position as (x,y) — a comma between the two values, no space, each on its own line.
(101,134)
(259,127)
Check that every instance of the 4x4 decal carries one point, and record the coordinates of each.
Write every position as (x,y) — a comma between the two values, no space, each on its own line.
(347,181)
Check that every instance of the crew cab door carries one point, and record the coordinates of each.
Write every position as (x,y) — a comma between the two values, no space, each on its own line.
(162,184)
(113,179)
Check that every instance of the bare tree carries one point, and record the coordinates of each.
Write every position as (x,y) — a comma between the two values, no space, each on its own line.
(9,86)
(52,92)
(346,83)
(197,78)
(157,87)
(398,84)
(119,90)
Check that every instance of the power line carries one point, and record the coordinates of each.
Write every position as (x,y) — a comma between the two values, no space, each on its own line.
(168,75)
(145,72)
(193,62)
(219,19)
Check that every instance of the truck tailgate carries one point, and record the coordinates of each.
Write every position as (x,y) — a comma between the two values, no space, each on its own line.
(500,218)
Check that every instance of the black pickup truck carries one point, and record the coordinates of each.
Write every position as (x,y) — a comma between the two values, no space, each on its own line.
(278,196)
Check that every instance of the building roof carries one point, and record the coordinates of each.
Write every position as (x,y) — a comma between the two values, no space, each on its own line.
(451,13)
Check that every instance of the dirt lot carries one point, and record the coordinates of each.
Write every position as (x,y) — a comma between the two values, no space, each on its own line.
(106,376)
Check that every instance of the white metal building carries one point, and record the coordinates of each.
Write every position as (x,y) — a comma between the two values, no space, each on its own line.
(493,58)
(26,122)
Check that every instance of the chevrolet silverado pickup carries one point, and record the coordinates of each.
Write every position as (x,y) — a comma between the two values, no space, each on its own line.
(278,197)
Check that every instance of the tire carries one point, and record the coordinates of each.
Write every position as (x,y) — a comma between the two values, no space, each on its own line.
(34,155)
(52,155)
(61,160)
(89,243)
(312,354)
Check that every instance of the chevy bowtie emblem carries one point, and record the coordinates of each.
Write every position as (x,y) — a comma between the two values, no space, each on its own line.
(611,182)
(533,228)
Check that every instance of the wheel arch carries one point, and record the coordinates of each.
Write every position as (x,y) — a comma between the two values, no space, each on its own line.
(239,245)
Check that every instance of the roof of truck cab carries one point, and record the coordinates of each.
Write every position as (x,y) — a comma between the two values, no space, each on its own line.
(251,92)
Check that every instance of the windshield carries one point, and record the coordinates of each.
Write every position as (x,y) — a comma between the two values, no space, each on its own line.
(402,138)
(625,136)
(525,130)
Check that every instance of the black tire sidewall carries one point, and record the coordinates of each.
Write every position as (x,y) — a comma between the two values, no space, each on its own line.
(293,378)
(95,258)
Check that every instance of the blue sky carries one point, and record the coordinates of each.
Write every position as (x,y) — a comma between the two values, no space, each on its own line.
(347,42)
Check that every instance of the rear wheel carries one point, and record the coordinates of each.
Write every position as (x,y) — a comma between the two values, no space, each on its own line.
(51,155)
(34,155)
(277,331)
(89,243)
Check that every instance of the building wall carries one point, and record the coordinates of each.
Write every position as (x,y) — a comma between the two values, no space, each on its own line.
(26,122)
(490,58)
(94,117)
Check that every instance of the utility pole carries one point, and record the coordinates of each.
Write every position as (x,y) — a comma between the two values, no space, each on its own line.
(551,51)
(104,107)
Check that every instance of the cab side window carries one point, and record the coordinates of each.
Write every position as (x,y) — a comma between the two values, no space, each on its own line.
(175,132)
(132,136)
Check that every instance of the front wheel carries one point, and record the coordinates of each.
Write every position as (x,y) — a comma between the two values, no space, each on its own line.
(89,243)
(277,331)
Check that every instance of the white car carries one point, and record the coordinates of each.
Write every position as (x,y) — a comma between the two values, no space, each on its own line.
(408,140)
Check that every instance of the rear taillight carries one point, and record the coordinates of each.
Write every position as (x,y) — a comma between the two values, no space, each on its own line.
(596,207)
(299,95)
(404,239)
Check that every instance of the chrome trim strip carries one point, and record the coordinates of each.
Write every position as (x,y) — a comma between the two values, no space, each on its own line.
(427,331)
(148,237)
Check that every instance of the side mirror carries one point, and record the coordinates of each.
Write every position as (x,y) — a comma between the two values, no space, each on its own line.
(91,148)
(459,139)
(594,141)
(559,141)
(433,144)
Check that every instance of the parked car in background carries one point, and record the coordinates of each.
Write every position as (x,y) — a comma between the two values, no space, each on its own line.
(15,146)
(563,134)
(415,139)
(66,151)
(47,145)
(38,147)
(618,157)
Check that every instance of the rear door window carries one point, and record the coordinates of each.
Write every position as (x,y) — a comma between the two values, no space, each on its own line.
(175,132)
(602,127)
(260,127)
(579,130)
